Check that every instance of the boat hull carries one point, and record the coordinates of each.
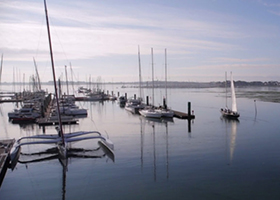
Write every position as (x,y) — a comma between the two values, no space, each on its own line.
(230,114)
(150,113)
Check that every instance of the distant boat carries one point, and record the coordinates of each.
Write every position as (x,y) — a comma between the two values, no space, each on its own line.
(122,100)
(231,113)
(134,105)
(24,112)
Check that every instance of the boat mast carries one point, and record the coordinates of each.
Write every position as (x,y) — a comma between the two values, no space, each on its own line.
(165,77)
(153,93)
(72,78)
(54,78)
(140,77)
(37,74)
(226,86)
(66,77)
(1,69)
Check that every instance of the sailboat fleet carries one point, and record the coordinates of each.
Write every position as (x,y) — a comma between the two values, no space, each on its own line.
(61,139)
(150,111)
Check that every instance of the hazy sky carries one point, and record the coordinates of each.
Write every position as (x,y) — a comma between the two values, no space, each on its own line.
(203,38)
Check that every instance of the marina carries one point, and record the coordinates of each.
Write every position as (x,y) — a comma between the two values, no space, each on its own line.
(94,116)
(217,155)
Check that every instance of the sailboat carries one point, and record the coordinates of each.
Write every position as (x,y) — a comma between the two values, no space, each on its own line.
(60,139)
(165,112)
(150,111)
(134,105)
(231,113)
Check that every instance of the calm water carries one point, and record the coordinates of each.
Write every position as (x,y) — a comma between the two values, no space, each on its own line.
(210,158)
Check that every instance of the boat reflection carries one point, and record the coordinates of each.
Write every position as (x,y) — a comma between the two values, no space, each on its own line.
(53,153)
(152,122)
(232,137)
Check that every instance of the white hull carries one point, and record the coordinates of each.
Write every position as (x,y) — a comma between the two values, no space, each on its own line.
(150,113)
(165,113)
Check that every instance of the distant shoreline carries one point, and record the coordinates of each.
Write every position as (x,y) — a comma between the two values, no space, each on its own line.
(170,84)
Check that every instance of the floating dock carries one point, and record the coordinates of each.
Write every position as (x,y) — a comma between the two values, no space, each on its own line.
(47,122)
(5,147)
(182,115)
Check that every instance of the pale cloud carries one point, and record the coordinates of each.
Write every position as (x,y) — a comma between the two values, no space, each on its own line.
(88,32)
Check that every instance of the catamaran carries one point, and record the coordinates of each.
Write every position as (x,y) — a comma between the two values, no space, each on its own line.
(231,113)
(60,139)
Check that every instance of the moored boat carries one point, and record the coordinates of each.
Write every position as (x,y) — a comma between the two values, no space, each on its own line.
(231,113)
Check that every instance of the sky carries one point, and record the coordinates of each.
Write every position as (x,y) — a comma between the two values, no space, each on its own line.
(99,40)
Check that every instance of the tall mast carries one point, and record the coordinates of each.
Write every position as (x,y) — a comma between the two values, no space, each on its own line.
(54,78)
(37,74)
(66,77)
(226,86)
(153,93)
(140,77)
(1,69)
(72,78)
(165,77)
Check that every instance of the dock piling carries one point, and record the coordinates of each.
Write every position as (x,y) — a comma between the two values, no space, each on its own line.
(189,108)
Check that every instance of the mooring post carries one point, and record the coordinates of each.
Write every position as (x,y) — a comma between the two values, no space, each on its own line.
(125,94)
(147,100)
(164,104)
(189,109)
(189,126)
(118,94)
(134,96)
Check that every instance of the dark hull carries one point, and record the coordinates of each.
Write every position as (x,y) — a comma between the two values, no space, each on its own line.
(230,115)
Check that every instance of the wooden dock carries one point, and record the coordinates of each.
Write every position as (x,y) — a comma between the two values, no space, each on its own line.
(182,115)
(47,122)
(5,147)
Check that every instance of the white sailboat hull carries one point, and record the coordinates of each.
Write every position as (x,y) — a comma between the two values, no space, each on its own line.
(150,113)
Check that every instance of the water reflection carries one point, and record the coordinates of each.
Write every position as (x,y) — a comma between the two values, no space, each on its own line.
(232,137)
(53,153)
(153,123)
